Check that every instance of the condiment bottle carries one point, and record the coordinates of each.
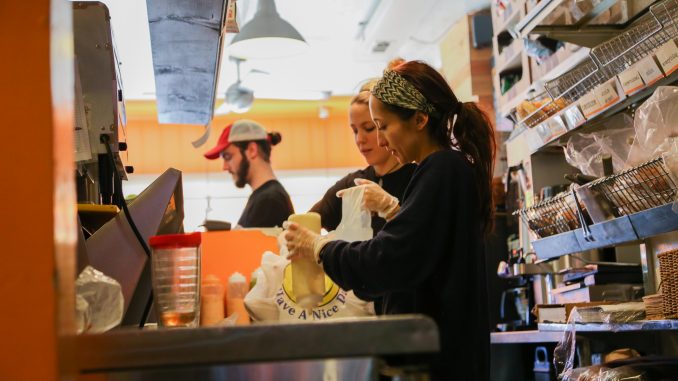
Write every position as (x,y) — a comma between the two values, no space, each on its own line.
(308,277)
(212,301)
(237,289)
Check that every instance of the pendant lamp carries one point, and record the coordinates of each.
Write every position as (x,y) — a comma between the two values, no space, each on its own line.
(267,36)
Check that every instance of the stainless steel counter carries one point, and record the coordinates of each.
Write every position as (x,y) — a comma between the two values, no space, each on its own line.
(124,350)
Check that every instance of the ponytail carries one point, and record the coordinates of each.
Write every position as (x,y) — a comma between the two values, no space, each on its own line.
(472,134)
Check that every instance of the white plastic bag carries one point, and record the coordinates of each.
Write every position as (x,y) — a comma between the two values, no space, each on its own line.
(356,222)
(104,302)
(271,298)
(655,122)
(585,151)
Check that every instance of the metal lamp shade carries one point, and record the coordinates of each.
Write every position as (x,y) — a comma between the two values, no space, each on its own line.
(267,36)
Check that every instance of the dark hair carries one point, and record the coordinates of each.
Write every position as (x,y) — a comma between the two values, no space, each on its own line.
(264,145)
(472,132)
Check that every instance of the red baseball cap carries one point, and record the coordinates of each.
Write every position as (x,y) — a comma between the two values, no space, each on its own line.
(240,131)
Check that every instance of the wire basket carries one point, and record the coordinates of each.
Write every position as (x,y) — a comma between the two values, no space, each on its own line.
(668,270)
(643,187)
(650,32)
(609,59)
(553,216)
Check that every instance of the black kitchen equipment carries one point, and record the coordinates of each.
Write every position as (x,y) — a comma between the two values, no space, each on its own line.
(515,308)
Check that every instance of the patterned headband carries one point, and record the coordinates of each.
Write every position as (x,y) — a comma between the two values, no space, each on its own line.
(395,90)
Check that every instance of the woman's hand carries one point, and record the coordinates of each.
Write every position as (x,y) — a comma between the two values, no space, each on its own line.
(376,199)
(303,243)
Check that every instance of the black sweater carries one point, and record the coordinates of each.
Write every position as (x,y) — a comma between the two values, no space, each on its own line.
(429,259)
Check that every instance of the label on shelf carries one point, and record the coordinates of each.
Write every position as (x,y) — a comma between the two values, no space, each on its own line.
(551,129)
(631,81)
(589,104)
(649,71)
(607,94)
(573,117)
(667,55)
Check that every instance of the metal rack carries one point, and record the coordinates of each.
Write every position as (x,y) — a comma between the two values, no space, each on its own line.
(609,59)
(553,216)
(643,187)
(640,188)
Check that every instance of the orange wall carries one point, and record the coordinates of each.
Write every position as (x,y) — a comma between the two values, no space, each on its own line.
(38,208)
(307,140)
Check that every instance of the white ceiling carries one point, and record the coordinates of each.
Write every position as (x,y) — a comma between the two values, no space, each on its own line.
(338,59)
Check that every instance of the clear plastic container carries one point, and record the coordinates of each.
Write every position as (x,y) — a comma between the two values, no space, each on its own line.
(175,269)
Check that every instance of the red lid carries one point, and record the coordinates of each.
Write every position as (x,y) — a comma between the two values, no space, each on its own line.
(175,240)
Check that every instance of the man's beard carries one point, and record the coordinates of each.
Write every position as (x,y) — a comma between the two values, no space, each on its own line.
(241,173)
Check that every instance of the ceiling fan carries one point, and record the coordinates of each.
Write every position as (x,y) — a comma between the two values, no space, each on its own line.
(238,98)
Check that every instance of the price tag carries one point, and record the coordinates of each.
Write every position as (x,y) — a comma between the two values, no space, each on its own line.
(649,71)
(589,104)
(630,81)
(667,55)
(607,94)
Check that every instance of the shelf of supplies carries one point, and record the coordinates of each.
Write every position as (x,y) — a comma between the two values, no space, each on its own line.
(580,31)
(525,337)
(630,101)
(622,230)
(638,326)
(515,10)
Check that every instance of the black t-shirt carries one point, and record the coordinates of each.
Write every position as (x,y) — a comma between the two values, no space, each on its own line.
(429,259)
(329,207)
(268,206)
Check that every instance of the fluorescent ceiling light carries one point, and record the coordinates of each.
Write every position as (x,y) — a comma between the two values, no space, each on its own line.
(267,35)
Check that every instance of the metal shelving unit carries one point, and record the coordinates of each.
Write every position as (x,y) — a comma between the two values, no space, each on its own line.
(525,337)
(563,20)
(639,326)
(607,60)
(621,230)
(553,332)
(630,102)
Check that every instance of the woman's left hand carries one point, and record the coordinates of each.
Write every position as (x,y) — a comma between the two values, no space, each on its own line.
(303,243)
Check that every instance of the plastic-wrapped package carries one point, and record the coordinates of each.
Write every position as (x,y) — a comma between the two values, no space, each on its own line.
(541,48)
(614,314)
(103,296)
(655,123)
(585,151)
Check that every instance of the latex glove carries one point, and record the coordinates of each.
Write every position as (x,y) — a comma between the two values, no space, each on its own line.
(303,243)
(376,199)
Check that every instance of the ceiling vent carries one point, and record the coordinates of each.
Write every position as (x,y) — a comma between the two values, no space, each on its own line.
(380,46)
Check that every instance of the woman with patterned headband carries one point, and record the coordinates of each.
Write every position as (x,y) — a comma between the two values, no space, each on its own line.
(429,257)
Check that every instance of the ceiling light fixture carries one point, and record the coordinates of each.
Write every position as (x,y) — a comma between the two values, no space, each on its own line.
(267,35)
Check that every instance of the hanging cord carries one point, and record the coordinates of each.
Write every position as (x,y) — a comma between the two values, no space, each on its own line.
(106,140)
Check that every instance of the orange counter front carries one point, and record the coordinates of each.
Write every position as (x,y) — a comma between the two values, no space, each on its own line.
(225,252)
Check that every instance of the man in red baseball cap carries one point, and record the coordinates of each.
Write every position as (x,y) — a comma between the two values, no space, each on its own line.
(245,147)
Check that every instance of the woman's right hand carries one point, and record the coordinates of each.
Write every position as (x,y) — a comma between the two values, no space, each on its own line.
(376,199)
